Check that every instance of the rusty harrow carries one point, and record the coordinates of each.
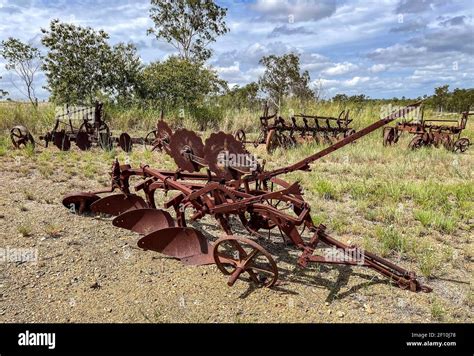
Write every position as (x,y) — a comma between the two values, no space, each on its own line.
(93,130)
(429,134)
(234,188)
(303,128)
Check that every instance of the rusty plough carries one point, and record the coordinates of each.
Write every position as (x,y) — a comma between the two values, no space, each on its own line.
(92,130)
(432,132)
(233,188)
(276,132)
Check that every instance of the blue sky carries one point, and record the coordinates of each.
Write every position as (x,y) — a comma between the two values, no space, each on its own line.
(379,48)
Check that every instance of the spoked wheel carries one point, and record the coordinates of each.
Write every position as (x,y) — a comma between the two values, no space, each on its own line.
(21,137)
(235,255)
(160,138)
(150,139)
(255,222)
(461,145)
(259,140)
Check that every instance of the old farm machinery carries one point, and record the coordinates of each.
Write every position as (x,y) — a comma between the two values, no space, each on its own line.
(276,132)
(86,127)
(233,189)
(432,132)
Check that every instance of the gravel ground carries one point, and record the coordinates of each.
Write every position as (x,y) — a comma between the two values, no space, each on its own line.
(89,271)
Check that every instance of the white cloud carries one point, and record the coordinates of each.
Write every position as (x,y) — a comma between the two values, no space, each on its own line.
(340,68)
(235,68)
(356,81)
(295,10)
(376,68)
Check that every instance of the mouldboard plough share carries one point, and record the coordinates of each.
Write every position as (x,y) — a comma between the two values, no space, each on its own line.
(230,190)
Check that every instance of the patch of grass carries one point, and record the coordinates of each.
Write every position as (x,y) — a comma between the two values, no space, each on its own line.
(29,150)
(428,262)
(25,230)
(53,230)
(4,145)
(89,170)
(437,310)
(436,220)
(326,189)
(46,170)
(470,299)
(339,224)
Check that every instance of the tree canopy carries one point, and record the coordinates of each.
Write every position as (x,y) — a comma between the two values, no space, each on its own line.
(283,77)
(80,64)
(178,82)
(24,60)
(188,25)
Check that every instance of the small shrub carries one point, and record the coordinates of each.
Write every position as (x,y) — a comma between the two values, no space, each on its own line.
(25,230)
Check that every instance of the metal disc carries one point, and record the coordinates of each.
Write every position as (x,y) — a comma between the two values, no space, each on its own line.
(163,131)
(61,141)
(117,204)
(271,141)
(185,146)
(79,201)
(82,141)
(125,142)
(222,152)
(20,136)
(144,221)
(177,242)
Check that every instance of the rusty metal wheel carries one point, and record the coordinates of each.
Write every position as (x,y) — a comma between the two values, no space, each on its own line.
(21,137)
(83,141)
(271,142)
(151,142)
(447,142)
(236,255)
(437,139)
(388,136)
(125,142)
(240,136)
(417,142)
(254,222)
(162,138)
(461,145)
(287,141)
(260,139)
